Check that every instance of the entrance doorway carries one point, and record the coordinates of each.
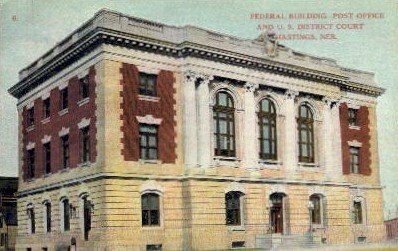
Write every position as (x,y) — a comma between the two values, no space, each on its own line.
(276,212)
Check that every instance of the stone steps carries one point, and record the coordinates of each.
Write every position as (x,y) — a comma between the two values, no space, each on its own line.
(287,242)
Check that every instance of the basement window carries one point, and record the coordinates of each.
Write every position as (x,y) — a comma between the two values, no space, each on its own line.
(238,244)
(154,247)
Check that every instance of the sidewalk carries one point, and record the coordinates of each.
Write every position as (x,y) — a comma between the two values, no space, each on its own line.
(385,246)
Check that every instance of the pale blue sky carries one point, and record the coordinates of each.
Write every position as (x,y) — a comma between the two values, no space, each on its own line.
(39,25)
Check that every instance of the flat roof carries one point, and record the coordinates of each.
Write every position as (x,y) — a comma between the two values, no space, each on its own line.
(108,26)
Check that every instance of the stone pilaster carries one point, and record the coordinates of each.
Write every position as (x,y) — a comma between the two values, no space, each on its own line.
(290,153)
(189,119)
(204,120)
(250,154)
(327,136)
(336,140)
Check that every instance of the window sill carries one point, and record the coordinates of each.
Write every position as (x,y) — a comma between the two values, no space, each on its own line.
(64,170)
(354,127)
(226,161)
(30,180)
(83,101)
(236,228)
(318,226)
(270,164)
(309,165)
(148,98)
(84,164)
(149,228)
(46,175)
(45,120)
(30,128)
(62,112)
(150,161)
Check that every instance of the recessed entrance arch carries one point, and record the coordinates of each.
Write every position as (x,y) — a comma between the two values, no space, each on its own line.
(277,212)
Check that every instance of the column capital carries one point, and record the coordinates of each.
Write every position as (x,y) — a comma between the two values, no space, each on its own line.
(250,87)
(331,102)
(291,94)
(190,75)
(205,78)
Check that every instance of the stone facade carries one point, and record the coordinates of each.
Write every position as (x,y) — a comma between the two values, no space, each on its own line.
(193,65)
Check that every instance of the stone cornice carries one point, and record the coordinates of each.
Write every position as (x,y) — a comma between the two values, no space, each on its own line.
(101,35)
(101,176)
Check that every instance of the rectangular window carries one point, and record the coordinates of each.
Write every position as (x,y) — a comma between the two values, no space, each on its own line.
(84,87)
(357,212)
(233,210)
(64,98)
(31,116)
(65,203)
(47,158)
(85,144)
(148,84)
(46,108)
(352,117)
(48,217)
(31,163)
(65,151)
(354,159)
(148,141)
(150,209)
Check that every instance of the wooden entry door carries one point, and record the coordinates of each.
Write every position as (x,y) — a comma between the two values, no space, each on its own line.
(277,218)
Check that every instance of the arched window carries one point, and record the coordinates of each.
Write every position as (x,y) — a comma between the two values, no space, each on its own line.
(47,216)
(87,210)
(316,212)
(224,125)
(66,214)
(267,123)
(32,221)
(305,125)
(233,208)
(357,212)
(150,209)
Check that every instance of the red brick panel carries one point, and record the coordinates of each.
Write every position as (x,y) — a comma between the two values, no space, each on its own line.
(129,106)
(163,109)
(92,106)
(68,120)
(74,97)
(24,143)
(362,135)
(167,133)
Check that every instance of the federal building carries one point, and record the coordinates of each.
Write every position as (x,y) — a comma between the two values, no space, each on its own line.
(137,135)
